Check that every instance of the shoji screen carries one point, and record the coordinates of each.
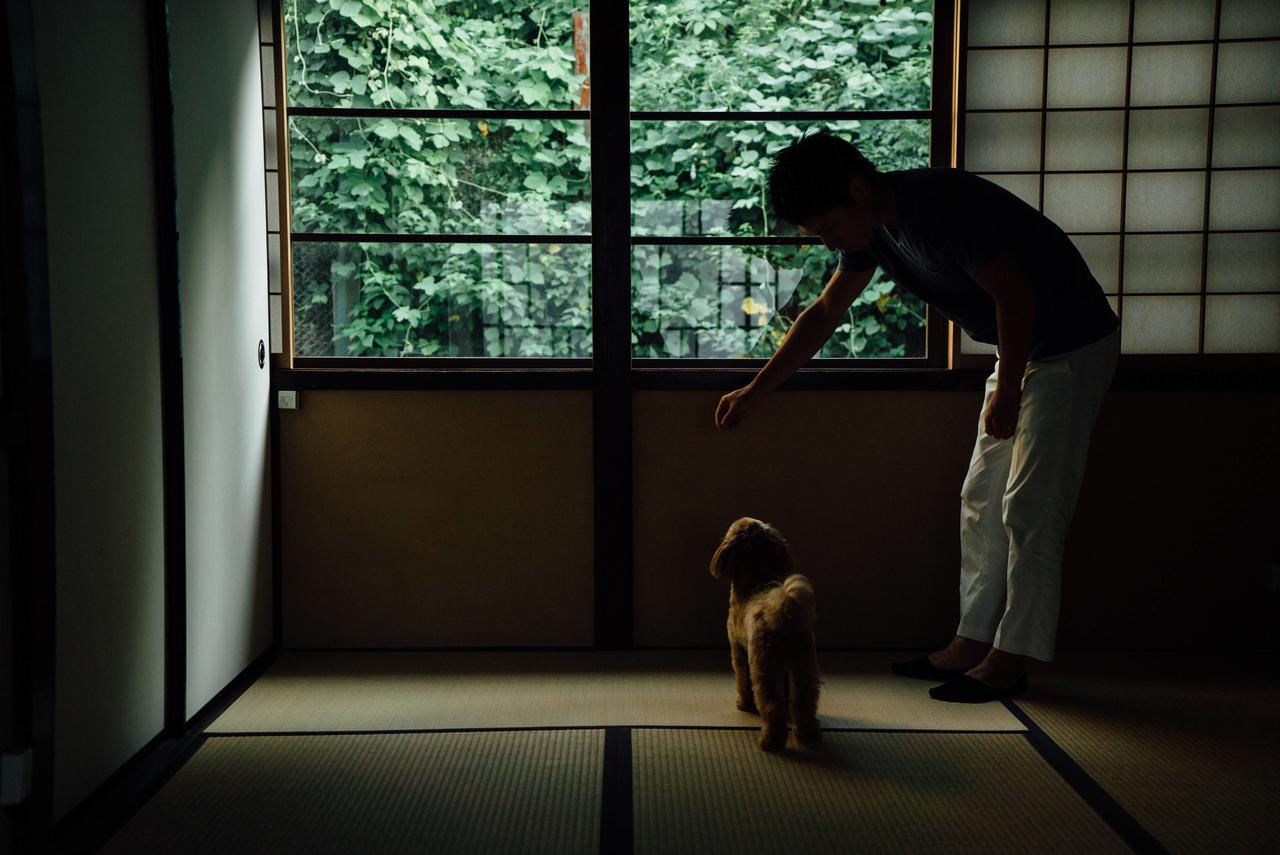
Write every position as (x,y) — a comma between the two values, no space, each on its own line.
(1149,130)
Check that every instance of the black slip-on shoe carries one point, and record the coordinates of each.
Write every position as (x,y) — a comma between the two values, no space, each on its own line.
(923,669)
(966,690)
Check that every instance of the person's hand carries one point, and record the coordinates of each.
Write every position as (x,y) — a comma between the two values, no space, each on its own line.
(1001,416)
(737,405)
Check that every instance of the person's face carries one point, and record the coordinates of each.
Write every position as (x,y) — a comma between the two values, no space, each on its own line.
(846,226)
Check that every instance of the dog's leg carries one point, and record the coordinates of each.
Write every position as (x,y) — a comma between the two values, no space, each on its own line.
(769,683)
(805,681)
(742,673)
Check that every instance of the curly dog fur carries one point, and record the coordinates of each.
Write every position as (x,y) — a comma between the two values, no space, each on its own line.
(772,613)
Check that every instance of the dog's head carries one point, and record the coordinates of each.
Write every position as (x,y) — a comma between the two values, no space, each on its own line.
(752,554)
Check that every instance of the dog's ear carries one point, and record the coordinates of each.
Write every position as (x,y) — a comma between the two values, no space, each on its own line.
(720,560)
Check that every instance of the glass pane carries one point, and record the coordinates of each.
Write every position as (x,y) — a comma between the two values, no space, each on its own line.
(1004,79)
(1085,21)
(1172,20)
(478,300)
(1086,77)
(1162,263)
(1025,187)
(1083,203)
(433,55)
(1243,19)
(710,178)
(1092,140)
(826,55)
(1006,22)
(1244,324)
(440,176)
(1160,201)
(1001,141)
(1245,200)
(1247,72)
(1160,325)
(1171,75)
(1168,139)
(1244,262)
(1246,136)
(1102,254)
(727,302)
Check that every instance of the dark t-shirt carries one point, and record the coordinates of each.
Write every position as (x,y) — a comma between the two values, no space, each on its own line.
(951,224)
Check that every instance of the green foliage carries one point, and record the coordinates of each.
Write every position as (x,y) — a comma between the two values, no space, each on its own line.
(526,177)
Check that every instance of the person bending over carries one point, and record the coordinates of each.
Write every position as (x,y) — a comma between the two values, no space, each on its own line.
(1008,276)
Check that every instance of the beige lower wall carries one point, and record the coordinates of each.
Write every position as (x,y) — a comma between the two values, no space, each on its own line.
(1170,547)
(437,519)
(464,518)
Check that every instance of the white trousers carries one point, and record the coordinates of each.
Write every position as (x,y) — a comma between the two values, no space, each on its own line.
(1018,498)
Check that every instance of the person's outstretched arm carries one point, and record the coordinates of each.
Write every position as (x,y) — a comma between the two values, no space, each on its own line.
(810,331)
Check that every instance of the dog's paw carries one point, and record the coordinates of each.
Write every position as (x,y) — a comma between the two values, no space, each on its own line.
(772,740)
(809,733)
(747,704)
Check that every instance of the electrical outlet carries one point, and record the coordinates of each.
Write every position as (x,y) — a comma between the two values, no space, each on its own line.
(287,400)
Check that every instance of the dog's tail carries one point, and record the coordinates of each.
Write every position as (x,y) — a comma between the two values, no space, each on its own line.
(799,607)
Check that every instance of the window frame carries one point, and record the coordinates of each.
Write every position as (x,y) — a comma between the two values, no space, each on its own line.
(938,349)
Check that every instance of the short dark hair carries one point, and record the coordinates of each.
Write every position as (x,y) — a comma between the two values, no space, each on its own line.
(811,176)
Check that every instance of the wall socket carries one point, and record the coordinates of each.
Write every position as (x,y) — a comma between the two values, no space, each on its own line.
(287,400)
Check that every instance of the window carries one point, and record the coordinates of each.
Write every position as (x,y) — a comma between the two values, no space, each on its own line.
(716,90)
(1150,131)
(440,173)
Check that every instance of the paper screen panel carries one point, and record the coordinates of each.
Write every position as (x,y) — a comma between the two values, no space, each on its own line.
(1248,323)
(1164,201)
(1243,19)
(1004,79)
(1002,141)
(277,337)
(1172,20)
(1025,187)
(273,264)
(1006,22)
(1168,139)
(271,151)
(1247,72)
(267,54)
(1085,140)
(1160,325)
(1246,136)
(1245,200)
(272,180)
(1089,21)
(1244,262)
(1169,75)
(1102,254)
(1162,263)
(1086,77)
(1083,203)
(969,347)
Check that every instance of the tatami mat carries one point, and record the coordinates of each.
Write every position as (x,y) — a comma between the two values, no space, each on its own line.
(378,793)
(1189,746)
(708,792)
(322,691)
